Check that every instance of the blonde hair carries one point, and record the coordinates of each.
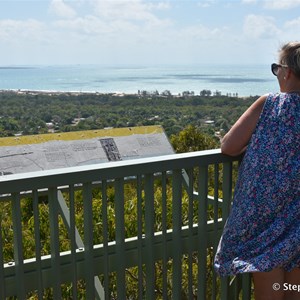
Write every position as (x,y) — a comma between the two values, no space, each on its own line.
(289,55)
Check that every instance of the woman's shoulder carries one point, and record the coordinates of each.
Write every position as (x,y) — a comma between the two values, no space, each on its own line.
(280,99)
(280,105)
(282,96)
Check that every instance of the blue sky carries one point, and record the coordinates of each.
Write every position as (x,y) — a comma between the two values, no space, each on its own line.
(51,32)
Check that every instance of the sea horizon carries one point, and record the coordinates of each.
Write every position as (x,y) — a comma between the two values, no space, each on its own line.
(241,80)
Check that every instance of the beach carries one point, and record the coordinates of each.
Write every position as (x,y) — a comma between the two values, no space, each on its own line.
(241,80)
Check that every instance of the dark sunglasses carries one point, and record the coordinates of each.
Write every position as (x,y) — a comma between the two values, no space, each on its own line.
(275,68)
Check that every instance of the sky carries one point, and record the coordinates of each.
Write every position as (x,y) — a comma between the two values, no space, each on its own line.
(63,32)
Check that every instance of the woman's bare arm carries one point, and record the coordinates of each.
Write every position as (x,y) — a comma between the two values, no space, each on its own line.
(236,140)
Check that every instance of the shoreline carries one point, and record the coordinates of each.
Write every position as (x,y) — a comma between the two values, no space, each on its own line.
(57,92)
(115,94)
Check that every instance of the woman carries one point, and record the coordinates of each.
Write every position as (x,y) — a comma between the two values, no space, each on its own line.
(262,233)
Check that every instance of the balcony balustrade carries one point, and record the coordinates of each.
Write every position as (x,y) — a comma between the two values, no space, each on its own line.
(136,229)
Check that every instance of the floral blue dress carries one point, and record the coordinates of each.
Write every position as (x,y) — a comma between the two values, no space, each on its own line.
(263,229)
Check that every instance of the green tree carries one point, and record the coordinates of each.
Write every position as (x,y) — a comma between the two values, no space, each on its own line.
(192,139)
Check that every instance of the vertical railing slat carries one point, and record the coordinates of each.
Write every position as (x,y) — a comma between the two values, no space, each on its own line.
(216,225)
(39,277)
(227,195)
(246,286)
(234,288)
(73,241)
(105,239)
(88,240)
(202,231)
(149,236)
(190,191)
(164,233)
(120,237)
(140,236)
(54,242)
(227,190)
(176,236)
(3,287)
(18,244)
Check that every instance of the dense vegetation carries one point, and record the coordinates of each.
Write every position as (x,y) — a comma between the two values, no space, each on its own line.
(32,113)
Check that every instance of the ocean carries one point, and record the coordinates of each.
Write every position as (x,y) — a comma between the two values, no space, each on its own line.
(241,80)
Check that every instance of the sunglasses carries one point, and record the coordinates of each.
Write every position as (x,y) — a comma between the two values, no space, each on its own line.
(275,68)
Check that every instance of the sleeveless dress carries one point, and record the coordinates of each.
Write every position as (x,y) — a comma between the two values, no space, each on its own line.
(263,228)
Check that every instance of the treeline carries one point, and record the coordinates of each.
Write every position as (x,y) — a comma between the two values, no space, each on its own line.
(167,93)
(33,113)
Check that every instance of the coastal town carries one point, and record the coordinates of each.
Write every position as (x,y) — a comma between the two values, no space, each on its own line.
(62,112)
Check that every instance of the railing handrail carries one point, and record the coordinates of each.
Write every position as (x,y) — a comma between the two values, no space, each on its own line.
(72,175)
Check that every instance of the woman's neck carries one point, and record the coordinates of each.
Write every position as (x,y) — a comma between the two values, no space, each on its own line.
(292,85)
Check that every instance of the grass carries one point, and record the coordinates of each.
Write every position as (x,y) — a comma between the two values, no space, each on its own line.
(78,135)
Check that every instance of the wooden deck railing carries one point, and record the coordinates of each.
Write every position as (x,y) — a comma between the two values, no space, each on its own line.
(137,229)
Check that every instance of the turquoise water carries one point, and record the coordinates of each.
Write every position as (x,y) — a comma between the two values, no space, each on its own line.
(245,80)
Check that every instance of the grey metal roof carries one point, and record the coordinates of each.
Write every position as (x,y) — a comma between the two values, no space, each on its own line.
(61,154)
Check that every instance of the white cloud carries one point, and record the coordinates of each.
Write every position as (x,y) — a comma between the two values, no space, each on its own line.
(92,26)
(249,1)
(206,3)
(14,30)
(292,24)
(133,10)
(292,29)
(61,9)
(201,32)
(117,20)
(117,9)
(95,31)
(159,5)
(260,27)
(24,42)
(281,4)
